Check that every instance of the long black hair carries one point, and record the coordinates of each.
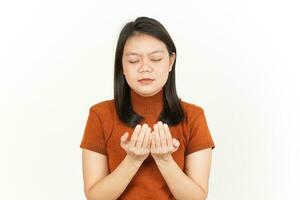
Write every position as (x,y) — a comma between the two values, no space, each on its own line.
(172,112)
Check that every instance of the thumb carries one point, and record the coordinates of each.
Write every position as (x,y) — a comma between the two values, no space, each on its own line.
(124,138)
(176,143)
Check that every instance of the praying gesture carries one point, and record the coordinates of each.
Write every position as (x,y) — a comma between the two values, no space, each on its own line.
(144,141)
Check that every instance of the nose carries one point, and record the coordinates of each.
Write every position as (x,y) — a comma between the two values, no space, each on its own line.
(145,66)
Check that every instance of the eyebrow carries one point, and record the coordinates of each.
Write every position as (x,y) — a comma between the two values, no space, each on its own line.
(134,53)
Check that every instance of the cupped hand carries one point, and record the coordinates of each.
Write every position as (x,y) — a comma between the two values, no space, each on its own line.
(162,144)
(138,148)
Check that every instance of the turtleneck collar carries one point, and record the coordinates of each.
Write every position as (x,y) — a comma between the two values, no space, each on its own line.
(147,106)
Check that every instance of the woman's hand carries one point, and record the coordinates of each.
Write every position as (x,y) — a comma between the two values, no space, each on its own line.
(163,145)
(138,148)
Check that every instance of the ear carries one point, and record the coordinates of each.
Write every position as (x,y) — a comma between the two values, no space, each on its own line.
(172,59)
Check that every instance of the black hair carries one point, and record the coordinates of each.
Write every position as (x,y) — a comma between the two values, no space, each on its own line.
(172,112)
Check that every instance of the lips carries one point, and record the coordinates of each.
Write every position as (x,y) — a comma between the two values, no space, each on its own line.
(146,81)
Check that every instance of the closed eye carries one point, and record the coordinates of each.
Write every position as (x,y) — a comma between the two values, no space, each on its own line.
(157,60)
(133,61)
(154,60)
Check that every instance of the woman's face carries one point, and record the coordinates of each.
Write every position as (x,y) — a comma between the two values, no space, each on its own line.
(145,57)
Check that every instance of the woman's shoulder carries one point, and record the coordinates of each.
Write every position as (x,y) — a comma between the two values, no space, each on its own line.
(193,112)
(103,107)
(191,109)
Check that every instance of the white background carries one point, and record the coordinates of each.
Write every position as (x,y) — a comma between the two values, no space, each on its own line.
(237,59)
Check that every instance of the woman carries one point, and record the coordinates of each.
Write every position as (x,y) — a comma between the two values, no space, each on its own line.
(146,143)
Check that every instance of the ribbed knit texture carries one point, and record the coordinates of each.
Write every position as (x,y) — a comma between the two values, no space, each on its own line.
(147,106)
(103,130)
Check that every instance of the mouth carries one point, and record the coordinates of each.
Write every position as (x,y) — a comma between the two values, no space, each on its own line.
(146,81)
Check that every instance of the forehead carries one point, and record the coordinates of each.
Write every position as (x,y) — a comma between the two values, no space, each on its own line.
(143,44)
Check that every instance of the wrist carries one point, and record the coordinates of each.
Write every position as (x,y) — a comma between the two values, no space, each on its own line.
(164,161)
(132,161)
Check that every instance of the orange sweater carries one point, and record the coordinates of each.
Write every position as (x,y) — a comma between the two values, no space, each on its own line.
(103,131)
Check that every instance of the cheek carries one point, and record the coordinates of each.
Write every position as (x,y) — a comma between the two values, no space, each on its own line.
(129,74)
(163,75)
(126,70)
(164,68)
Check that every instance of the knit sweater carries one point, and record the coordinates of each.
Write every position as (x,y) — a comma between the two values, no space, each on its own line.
(103,131)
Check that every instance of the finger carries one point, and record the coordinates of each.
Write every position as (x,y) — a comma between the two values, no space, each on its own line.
(176,143)
(140,138)
(135,135)
(146,139)
(162,135)
(153,141)
(148,147)
(168,135)
(150,140)
(156,137)
(124,138)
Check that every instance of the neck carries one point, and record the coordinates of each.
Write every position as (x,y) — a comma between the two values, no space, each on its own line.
(147,106)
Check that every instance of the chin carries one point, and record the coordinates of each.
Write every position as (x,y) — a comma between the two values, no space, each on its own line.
(148,92)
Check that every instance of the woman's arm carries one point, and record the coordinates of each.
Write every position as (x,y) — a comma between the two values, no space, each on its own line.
(101,185)
(193,184)
(110,186)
